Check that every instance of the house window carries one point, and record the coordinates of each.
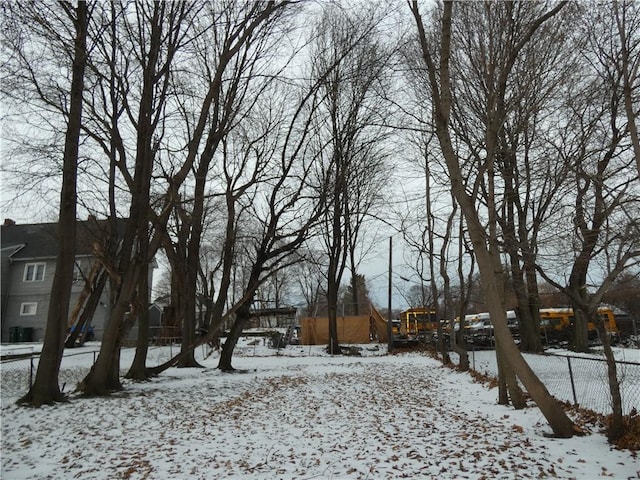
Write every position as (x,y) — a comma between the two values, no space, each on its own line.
(28,308)
(34,272)
(77,273)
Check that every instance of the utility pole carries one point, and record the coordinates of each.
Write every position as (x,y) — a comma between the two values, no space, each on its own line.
(389,332)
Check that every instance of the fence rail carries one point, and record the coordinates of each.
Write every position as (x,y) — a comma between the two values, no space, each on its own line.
(17,374)
(588,382)
(582,381)
(17,371)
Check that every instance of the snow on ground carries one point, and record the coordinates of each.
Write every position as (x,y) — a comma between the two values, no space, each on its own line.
(590,388)
(299,415)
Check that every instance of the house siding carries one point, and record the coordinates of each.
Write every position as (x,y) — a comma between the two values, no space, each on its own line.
(16,292)
(37,243)
(19,292)
(37,322)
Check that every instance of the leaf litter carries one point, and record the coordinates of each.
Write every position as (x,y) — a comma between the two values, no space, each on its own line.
(303,415)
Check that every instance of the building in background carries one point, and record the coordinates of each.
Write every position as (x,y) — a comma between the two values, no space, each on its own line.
(28,262)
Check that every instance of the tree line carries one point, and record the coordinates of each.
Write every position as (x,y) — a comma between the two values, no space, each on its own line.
(245,139)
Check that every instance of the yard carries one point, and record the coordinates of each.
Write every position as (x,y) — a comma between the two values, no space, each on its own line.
(297,413)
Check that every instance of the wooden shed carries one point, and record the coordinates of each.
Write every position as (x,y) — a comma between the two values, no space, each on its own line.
(351,329)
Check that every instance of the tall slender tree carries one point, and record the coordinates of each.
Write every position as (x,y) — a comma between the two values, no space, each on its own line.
(438,67)
(626,17)
(45,389)
(350,124)
(162,24)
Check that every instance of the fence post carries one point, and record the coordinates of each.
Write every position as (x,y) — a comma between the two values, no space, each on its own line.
(573,385)
(30,372)
(473,357)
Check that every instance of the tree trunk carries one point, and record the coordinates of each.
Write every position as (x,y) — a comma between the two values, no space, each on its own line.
(513,388)
(355,296)
(45,389)
(333,348)
(188,309)
(459,342)
(439,78)
(503,395)
(230,343)
(333,284)
(103,378)
(561,425)
(580,331)
(138,369)
(459,345)
(615,429)
(192,264)
(532,307)
(443,348)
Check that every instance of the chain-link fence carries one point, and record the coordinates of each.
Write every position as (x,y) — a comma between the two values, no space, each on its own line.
(17,374)
(582,381)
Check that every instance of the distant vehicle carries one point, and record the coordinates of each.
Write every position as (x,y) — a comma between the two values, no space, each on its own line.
(556,324)
(415,325)
(479,329)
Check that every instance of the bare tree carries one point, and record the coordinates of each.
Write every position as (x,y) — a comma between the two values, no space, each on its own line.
(626,16)
(164,25)
(438,67)
(270,171)
(531,176)
(350,126)
(311,280)
(235,46)
(273,202)
(47,21)
(284,206)
(601,199)
(603,204)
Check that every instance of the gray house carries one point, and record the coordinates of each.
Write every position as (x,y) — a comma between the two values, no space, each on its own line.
(28,262)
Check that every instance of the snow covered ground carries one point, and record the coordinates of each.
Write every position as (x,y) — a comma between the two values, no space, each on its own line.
(590,387)
(300,415)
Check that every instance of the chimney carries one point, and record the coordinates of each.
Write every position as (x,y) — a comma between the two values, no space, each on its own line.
(8,222)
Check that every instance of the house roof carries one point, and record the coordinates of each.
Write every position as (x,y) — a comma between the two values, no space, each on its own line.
(39,240)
